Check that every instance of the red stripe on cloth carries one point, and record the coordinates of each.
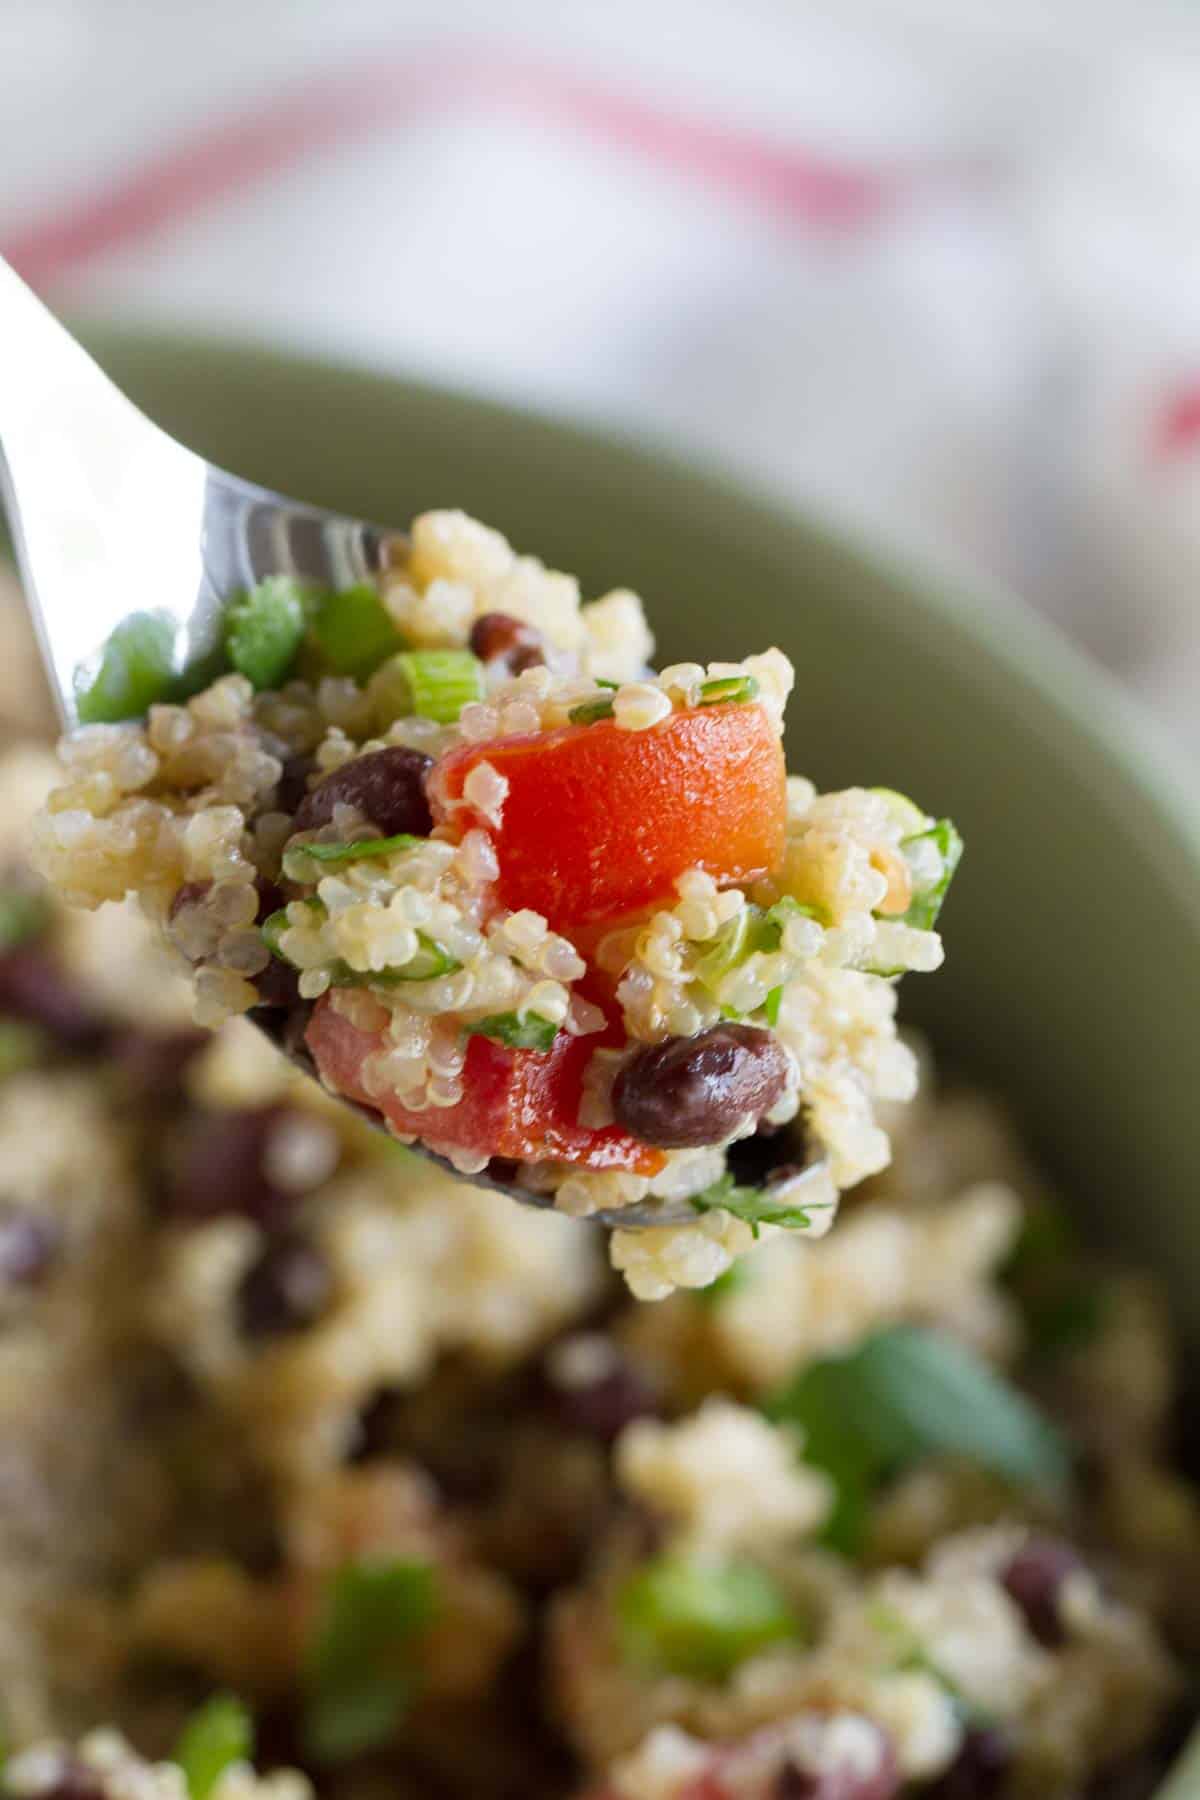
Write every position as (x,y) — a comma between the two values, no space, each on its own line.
(223,159)
(1175,427)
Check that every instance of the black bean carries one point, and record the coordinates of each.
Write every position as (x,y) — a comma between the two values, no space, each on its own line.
(387,787)
(219,1167)
(37,989)
(288,1288)
(1034,1579)
(28,1245)
(980,1769)
(600,1407)
(844,1781)
(688,1092)
(497,637)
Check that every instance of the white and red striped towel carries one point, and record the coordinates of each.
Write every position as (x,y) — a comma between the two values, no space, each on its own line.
(939,272)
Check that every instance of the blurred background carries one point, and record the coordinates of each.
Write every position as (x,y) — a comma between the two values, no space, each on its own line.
(932,263)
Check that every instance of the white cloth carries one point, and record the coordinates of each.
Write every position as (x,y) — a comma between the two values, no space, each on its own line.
(933,268)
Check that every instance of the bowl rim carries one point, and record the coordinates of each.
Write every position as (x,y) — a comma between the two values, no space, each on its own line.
(966,616)
(973,613)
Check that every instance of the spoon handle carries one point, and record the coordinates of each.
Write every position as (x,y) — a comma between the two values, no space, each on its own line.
(106,510)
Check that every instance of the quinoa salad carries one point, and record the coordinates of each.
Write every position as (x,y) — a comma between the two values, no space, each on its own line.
(326,1474)
(563,919)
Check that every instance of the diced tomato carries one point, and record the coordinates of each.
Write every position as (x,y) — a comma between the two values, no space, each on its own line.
(522,1104)
(599,822)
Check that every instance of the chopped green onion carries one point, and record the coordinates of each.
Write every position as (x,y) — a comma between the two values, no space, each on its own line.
(22,1046)
(360,1672)
(790,908)
(353,631)
(431,959)
(772,1004)
(754,1205)
(135,669)
(906,813)
(205,667)
(518,1031)
(603,681)
(751,930)
(906,1393)
(24,914)
(928,897)
(334,855)
(737,688)
(589,712)
(434,684)
(220,1733)
(264,629)
(275,924)
(731,946)
(686,1616)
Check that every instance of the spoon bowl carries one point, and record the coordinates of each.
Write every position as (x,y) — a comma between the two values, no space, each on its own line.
(113,519)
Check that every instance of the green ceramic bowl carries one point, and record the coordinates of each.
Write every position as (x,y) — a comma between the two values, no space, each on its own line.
(1074,928)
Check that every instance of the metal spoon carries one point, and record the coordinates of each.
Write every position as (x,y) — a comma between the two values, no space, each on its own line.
(110,517)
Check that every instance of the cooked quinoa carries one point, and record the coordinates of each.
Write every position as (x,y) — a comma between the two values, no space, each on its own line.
(321,1462)
(559,917)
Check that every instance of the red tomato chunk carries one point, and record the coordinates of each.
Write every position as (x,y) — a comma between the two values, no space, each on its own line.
(599,822)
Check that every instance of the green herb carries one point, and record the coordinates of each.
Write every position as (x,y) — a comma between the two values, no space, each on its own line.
(687,1616)
(360,1672)
(431,959)
(434,684)
(334,855)
(772,1004)
(528,1031)
(928,896)
(264,629)
(754,1205)
(603,681)
(135,669)
(22,1046)
(353,631)
(24,914)
(906,1393)
(588,712)
(220,1733)
(737,688)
